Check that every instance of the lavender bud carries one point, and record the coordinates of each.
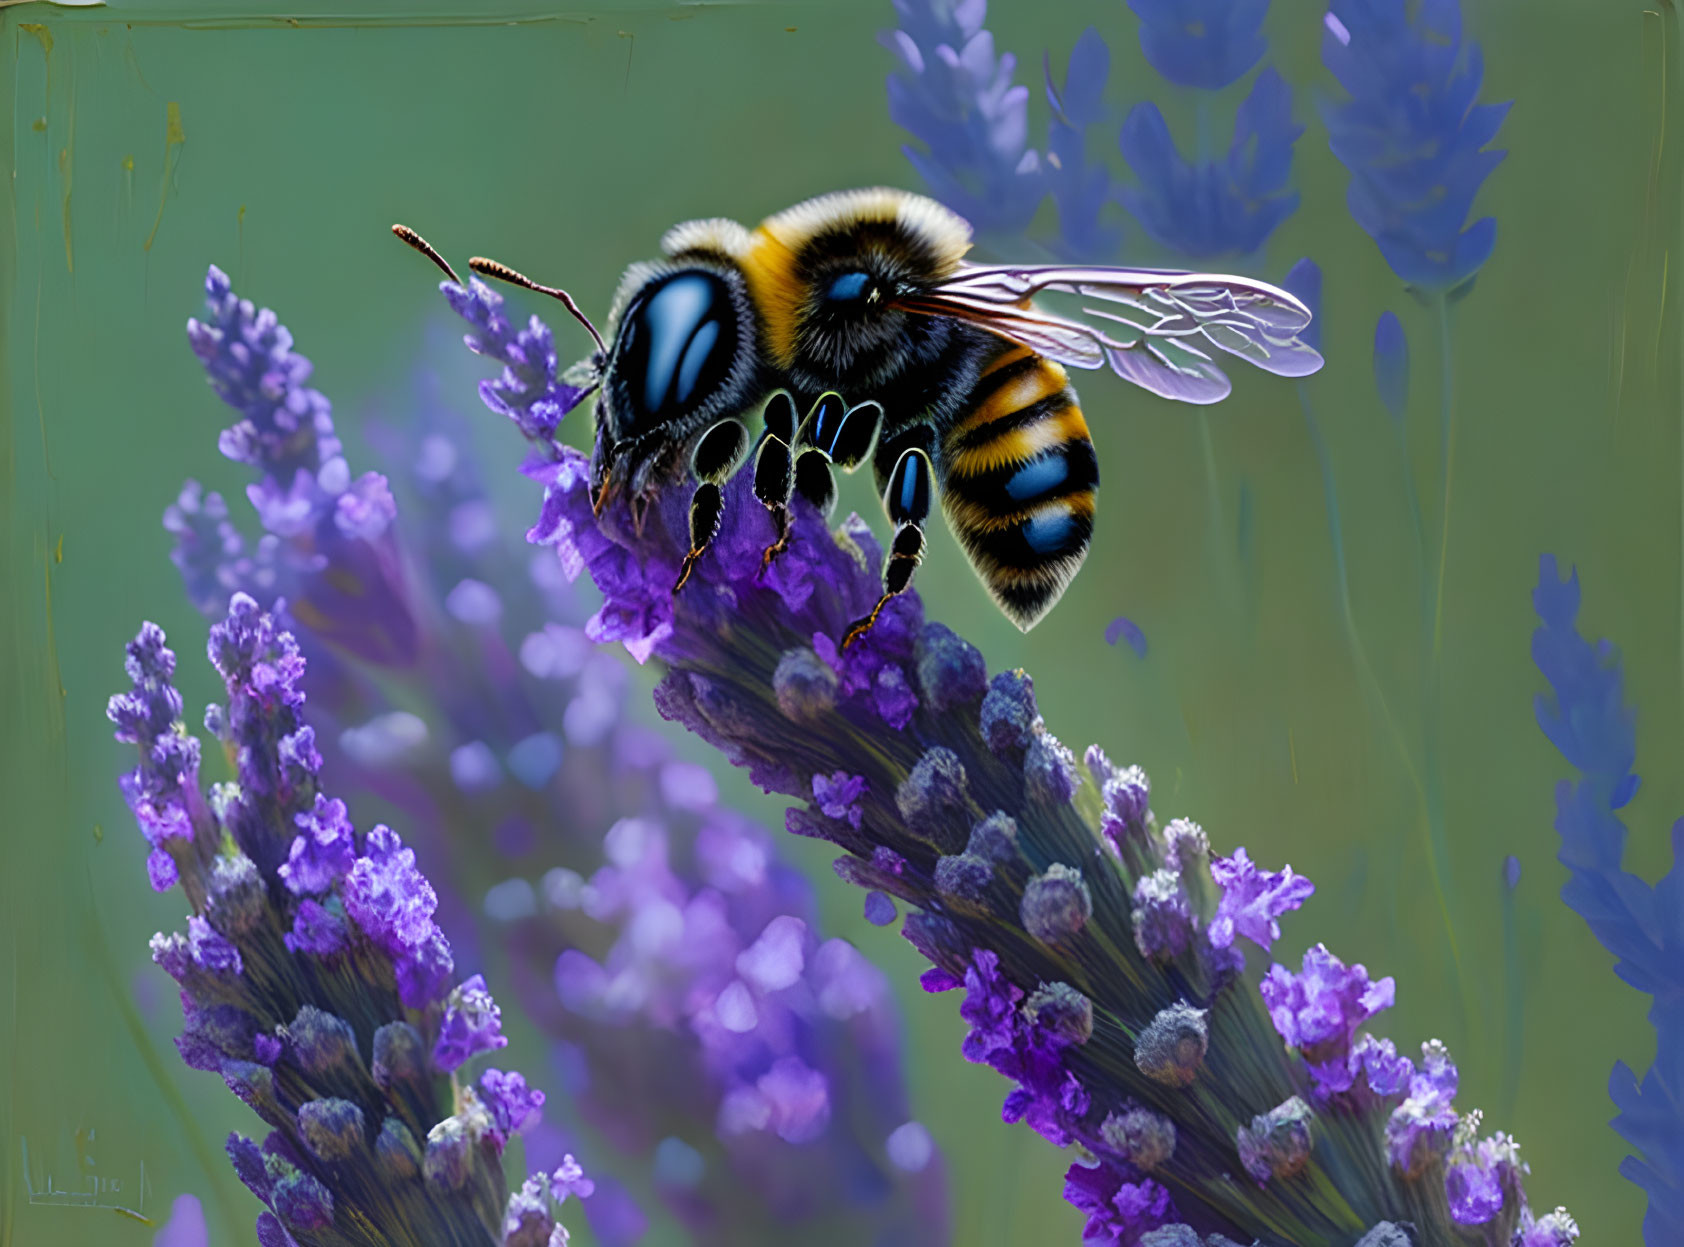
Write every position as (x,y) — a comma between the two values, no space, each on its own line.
(449,1153)
(1178,1235)
(1061,1010)
(1386,1234)
(951,671)
(255,1084)
(879,909)
(1277,1143)
(1185,845)
(963,876)
(400,1054)
(1100,767)
(332,1128)
(1144,1138)
(1049,771)
(1173,1045)
(934,796)
(322,1043)
(1163,921)
(995,838)
(1009,717)
(1127,798)
(397,1152)
(303,1203)
(935,936)
(804,685)
(527,1222)
(236,895)
(1056,905)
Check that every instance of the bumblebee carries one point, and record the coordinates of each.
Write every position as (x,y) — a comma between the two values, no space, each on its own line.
(959,381)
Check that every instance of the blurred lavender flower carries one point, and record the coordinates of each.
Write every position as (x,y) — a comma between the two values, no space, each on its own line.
(1081,187)
(1391,364)
(1205,44)
(956,96)
(1586,718)
(314,979)
(699,1016)
(1412,135)
(1099,950)
(1215,207)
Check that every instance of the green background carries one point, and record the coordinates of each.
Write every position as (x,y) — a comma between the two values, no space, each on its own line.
(564,143)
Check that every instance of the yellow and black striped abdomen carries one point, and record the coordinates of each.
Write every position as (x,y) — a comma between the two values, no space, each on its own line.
(1019,475)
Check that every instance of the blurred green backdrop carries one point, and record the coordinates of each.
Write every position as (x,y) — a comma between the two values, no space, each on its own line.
(565,143)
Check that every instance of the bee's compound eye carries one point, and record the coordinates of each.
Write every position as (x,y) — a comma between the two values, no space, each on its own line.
(848,288)
(675,348)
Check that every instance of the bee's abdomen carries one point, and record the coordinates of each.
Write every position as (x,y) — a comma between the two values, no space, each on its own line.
(1020,480)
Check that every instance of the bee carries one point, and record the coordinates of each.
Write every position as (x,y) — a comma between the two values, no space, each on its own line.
(958,381)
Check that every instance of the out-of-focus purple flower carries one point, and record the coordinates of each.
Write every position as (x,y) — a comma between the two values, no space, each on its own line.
(1206,44)
(1304,280)
(1391,364)
(327,549)
(1081,187)
(1124,629)
(1022,892)
(1412,135)
(1586,717)
(955,95)
(315,1036)
(186,1226)
(1221,207)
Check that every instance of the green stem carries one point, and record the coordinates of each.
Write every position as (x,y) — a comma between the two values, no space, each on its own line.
(1432,693)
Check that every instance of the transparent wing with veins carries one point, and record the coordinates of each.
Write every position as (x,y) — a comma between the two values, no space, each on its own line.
(1162,328)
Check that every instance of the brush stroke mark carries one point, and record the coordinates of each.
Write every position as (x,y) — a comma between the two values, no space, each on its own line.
(174,138)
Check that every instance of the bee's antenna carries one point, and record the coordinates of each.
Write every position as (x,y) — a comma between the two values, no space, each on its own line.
(425,248)
(502,272)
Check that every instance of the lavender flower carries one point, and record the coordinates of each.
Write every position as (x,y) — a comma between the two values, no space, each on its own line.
(314,515)
(325,1037)
(699,1014)
(1215,207)
(1411,135)
(1081,187)
(956,96)
(1205,44)
(1586,718)
(1058,996)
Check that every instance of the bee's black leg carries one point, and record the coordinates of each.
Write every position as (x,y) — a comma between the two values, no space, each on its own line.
(846,437)
(833,435)
(774,471)
(814,480)
(716,457)
(907,500)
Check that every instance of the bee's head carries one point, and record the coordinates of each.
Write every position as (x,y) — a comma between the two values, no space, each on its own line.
(681,354)
(833,272)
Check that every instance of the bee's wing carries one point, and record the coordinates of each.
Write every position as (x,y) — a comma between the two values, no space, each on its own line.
(1169,319)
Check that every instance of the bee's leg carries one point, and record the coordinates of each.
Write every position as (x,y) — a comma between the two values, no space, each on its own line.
(907,500)
(814,480)
(774,485)
(774,470)
(716,457)
(845,436)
